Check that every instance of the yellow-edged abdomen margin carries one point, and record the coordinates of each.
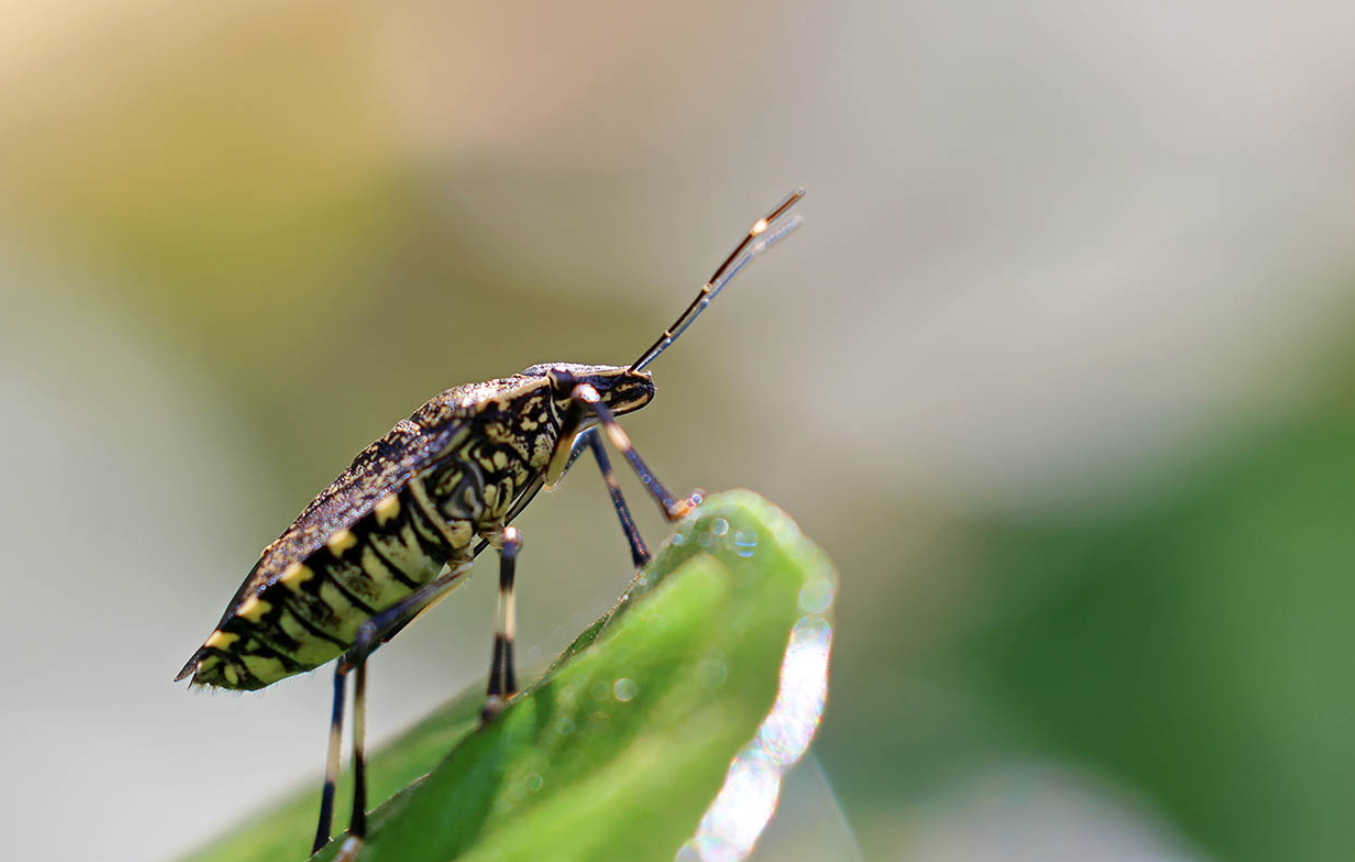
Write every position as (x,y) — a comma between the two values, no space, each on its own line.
(380,531)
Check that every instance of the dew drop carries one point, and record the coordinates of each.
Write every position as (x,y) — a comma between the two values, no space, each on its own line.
(745,543)
(719,527)
(711,673)
(625,690)
(816,595)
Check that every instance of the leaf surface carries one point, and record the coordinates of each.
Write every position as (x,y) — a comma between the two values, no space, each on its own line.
(620,749)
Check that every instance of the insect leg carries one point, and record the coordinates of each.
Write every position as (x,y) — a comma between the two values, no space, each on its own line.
(332,760)
(357,826)
(587,441)
(369,637)
(639,554)
(503,682)
(587,397)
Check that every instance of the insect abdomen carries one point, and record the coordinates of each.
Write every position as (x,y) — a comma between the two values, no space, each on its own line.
(311,612)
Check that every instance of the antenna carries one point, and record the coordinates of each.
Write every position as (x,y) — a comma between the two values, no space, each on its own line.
(761,236)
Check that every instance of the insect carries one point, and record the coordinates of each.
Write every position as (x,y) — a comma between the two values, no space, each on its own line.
(397,530)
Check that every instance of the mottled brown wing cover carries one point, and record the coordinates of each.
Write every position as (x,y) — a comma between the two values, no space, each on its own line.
(381,469)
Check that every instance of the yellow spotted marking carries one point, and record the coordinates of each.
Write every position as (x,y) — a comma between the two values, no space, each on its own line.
(253,609)
(221,640)
(340,542)
(500,459)
(295,575)
(542,449)
(232,675)
(387,508)
(462,532)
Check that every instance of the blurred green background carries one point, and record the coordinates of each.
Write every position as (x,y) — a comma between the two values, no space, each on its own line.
(1057,371)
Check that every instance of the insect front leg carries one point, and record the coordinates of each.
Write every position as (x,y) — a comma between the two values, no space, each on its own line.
(586,398)
(589,441)
(639,554)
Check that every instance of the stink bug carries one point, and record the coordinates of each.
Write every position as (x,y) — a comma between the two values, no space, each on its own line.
(400,527)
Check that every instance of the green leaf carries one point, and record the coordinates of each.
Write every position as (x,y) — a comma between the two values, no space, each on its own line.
(618,751)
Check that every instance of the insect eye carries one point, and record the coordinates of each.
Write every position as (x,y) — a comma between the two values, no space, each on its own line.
(563,378)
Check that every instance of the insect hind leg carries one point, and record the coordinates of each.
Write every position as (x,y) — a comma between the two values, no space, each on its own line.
(370,636)
(332,759)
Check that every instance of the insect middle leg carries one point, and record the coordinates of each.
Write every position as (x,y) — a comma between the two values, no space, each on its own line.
(502,669)
(589,441)
(503,682)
